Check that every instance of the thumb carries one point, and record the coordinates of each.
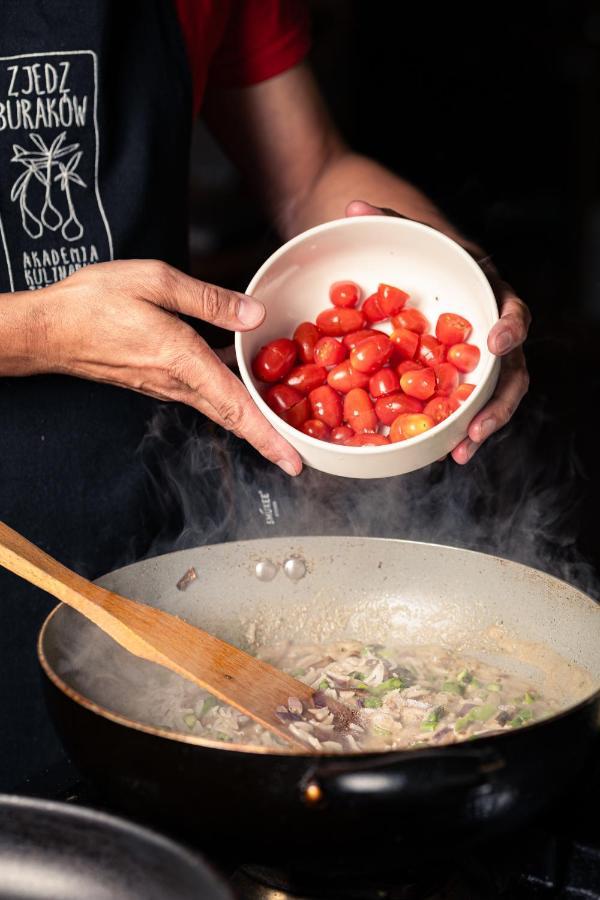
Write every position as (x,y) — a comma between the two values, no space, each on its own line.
(362,208)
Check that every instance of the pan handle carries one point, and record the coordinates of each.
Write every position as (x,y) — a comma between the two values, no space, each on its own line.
(403,776)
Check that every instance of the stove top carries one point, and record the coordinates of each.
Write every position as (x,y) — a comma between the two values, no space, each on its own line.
(555,859)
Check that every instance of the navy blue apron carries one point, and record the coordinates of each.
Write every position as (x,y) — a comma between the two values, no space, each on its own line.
(95,120)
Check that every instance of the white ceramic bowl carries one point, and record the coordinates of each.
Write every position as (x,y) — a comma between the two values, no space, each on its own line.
(439,276)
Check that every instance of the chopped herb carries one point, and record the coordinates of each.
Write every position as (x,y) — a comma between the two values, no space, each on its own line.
(495,688)
(385,732)
(431,722)
(477,714)
(208,704)
(529,698)
(373,702)
(324,685)
(358,675)
(453,687)
(221,736)
(190,720)
(392,684)
(524,715)
(464,677)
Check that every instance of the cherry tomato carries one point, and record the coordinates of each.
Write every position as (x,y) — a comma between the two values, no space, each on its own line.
(371,354)
(452,328)
(464,356)
(409,365)
(372,309)
(330,352)
(298,414)
(316,429)
(410,425)
(439,408)
(274,360)
(405,343)
(282,397)
(336,322)
(358,410)
(306,378)
(341,434)
(306,336)
(412,319)
(344,293)
(344,378)
(419,384)
(326,405)
(385,381)
(446,376)
(355,337)
(367,440)
(431,352)
(461,393)
(391,299)
(391,406)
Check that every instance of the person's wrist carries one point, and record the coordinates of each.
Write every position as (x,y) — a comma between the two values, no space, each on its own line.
(24,344)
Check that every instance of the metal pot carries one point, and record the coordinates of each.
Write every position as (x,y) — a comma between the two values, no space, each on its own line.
(326,587)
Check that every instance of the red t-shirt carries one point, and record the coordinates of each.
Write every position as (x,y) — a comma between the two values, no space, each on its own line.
(234,43)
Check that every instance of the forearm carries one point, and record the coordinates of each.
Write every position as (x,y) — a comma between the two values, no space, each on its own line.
(22,334)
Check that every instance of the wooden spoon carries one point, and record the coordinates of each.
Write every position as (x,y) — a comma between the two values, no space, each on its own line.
(250,685)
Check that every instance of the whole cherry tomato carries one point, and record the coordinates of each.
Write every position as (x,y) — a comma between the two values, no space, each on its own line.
(446,376)
(275,360)
(344,378)
(464,356)
(306,336)
(282,397)
(405,343)
(452,328)
(330,352)
(409,365)
(412,319)
(372,309)
(439,408)
(367,440)
(344,293)
(359,413)
(386,381)
(306,378)
(391,299)
(316,429)
(326,405)
(391,406)
(461,393)
(355,337)
(371,354)
(410,425)
(336,321)
(431,352)
(419,384)
(341,434)
(297,415)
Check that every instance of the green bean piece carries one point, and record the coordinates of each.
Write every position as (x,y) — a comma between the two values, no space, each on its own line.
(208,704)
(523,716)
(324,685)
(453,687)
(373,702)
(190,720)
(431,722)
(392,684)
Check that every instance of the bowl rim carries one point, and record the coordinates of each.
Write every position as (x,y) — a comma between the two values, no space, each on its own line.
(288,430)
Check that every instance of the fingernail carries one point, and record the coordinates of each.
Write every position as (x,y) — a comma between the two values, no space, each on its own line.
(504,342)
(288,467)
(486,428)
(250,312)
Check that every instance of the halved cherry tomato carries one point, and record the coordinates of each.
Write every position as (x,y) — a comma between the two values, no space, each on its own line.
(431,351)
(330,352)
(355,337)
(326,405)
(344,293)
(386,381)
(409,365)
(275,360)
(452,328)
(461,393)
(282,397)
(367,440)
(391,406)
(359,413)
(298,414)
(446,376)
(412,319)
(391,299)
(341,434)
(410,425)
(372,353)
(419,384)
(405,343)
(344,378)
(336,322)
(439,408)
(306,378)
(306,336)
(464,356)
(372,309)
(317,429)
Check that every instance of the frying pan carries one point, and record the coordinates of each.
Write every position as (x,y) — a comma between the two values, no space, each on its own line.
(325,588)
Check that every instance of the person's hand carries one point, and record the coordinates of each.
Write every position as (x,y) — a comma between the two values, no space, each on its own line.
(505,340)
(118,322)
